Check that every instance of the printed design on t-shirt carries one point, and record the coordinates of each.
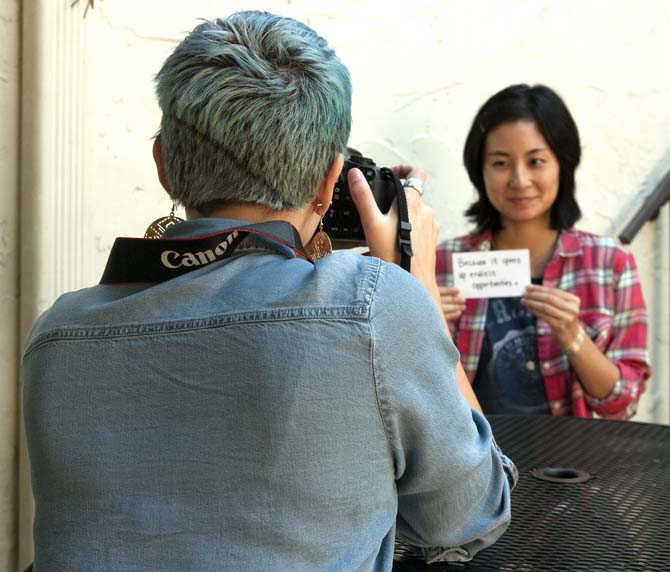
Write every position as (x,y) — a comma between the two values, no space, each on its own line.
(512,383)
(515,352)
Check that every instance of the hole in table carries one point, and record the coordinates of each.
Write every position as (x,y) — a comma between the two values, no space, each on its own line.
(561,475)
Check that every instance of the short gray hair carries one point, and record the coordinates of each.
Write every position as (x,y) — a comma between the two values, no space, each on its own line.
(255,109)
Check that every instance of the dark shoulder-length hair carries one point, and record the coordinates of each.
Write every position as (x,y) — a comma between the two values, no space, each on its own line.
(545,107)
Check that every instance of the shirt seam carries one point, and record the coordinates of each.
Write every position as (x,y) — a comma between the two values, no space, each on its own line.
(374,371)
(353,313)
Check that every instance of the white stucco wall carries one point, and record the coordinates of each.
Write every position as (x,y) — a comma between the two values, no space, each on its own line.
(420,71)
(9,268)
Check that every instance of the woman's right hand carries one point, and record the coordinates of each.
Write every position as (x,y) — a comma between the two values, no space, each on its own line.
(381,229)
(453,304)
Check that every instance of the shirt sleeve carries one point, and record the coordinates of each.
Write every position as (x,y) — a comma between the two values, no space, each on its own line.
(443,264)
(453,482)
(627,347)
(445,277)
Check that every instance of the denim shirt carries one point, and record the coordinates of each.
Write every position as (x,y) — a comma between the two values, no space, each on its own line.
(258,413)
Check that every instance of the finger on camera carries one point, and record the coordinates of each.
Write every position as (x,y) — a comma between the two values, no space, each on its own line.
(413,204)
(402,170)
(361,194)
(407,171)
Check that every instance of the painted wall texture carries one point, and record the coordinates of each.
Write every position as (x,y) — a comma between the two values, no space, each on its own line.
(9,268)
(420,71)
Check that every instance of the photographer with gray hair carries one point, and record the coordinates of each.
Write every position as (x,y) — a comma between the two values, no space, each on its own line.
(227,399)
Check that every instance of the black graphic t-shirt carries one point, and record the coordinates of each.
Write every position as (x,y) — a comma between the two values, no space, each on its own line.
(508,379)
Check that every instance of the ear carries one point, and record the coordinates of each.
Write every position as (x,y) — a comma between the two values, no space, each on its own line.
(324,195)
(160,166)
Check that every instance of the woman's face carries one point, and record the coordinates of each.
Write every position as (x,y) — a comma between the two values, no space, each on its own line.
(521,173)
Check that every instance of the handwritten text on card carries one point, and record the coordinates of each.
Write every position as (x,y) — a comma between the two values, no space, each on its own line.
(491,274)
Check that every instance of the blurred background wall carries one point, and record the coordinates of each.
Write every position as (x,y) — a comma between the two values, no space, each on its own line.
(78,114)
(9,277)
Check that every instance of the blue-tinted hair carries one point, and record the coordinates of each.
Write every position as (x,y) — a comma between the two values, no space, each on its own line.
(255,109)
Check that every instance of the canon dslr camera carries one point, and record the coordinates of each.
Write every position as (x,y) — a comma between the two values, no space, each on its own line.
(342,222)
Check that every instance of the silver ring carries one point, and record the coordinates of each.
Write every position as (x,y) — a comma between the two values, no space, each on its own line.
(414,183)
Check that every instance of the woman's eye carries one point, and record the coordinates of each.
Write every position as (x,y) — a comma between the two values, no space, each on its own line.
(499,163)
(537,161)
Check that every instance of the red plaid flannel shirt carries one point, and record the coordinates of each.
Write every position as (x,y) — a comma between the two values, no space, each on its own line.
(613,314)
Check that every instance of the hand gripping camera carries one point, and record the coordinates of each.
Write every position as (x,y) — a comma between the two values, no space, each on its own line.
(342,222)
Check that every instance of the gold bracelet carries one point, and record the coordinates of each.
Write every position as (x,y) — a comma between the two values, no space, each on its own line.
(576,345)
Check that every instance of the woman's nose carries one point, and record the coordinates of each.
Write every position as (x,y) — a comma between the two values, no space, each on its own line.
(520,177)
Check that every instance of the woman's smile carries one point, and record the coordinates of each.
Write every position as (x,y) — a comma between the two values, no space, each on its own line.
(522,201)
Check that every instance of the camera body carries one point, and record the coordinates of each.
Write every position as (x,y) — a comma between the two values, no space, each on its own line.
(342,222)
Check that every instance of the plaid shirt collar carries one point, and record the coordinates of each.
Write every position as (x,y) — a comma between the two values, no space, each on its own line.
(569,244)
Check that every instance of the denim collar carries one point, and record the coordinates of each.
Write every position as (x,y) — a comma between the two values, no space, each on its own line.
(204,226)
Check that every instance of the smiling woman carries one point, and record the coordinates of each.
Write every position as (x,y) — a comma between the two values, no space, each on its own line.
(521,174)
(575,343)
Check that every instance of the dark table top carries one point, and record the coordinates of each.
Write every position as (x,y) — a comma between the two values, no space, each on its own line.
(616,520)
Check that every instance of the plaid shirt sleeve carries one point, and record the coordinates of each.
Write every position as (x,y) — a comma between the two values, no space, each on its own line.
(625,342)
(444,276)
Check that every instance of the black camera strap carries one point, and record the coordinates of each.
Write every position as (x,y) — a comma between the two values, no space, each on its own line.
(404,226)
(150,260)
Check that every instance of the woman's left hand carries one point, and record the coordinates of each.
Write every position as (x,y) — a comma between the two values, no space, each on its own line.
(558,308)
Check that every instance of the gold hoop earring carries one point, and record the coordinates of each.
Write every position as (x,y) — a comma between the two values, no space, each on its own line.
(160,225)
